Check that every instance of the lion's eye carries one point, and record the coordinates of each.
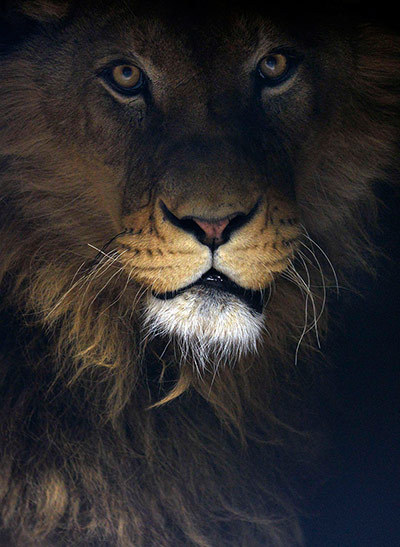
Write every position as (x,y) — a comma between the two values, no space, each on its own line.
(124,78)
(273,66)
(276,68)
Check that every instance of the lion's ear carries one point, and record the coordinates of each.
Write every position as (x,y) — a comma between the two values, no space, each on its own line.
(44,10)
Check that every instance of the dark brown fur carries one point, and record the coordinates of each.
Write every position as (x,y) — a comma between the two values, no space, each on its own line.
(86,457)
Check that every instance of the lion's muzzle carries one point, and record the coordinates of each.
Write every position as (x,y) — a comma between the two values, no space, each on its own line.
(206,275)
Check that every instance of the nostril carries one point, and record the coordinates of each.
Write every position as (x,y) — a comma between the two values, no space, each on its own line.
(212,229)
(211,232)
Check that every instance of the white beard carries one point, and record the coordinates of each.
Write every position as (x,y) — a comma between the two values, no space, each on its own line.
(212,326)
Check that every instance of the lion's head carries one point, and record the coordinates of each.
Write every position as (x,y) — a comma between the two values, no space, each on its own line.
(185,187)
(209,170)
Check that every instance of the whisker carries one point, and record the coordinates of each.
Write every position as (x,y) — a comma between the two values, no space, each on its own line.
(106,284)
(101,271)
(111,240)
(100,251)
(303,333)
(316,319)
(121,293)
(294,276)
(324,298)
(325,256)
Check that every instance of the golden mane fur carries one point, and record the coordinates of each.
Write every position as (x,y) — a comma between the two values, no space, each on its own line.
(109,437)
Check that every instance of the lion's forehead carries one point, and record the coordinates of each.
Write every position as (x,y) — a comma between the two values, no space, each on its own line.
(178,43)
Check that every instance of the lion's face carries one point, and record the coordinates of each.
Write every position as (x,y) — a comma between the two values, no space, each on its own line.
(217,220)
(195,149)
(179,191)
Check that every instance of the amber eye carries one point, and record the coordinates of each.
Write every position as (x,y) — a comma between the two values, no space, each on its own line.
(274,66)
(124,78)
(278,66)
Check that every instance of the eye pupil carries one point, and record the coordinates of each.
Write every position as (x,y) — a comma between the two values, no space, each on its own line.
(271,62)
(127,71)
(124,78)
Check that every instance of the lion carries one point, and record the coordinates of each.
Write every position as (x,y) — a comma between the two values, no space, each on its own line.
(182,193)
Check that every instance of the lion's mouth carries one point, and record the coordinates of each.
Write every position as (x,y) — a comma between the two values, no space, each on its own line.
(216,281)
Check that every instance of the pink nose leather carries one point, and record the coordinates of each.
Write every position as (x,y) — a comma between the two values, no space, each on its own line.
(213,230)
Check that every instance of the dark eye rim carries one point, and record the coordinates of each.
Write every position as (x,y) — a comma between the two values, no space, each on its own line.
(106,75)
(293,58)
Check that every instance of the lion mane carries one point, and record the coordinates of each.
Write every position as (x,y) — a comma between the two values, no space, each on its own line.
(113,430)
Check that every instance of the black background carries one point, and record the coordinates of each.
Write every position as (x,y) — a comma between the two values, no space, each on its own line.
(359,504)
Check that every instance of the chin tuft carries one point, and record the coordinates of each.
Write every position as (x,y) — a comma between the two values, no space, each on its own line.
(210,327)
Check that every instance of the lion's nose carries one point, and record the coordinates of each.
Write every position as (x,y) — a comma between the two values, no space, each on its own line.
(213,229)
(210,231)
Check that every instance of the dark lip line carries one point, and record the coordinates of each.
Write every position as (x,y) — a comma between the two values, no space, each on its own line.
(254,299)
(171,294)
